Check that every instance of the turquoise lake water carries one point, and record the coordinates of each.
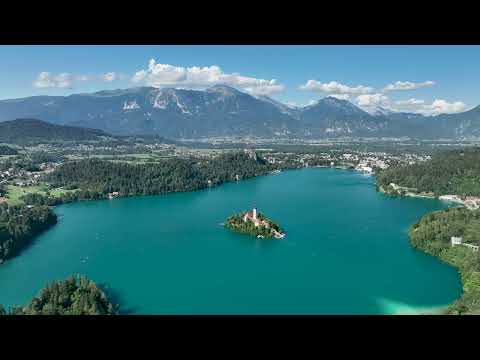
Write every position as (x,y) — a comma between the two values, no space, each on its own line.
(346,251)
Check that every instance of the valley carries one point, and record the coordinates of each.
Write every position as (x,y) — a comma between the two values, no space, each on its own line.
(239,180)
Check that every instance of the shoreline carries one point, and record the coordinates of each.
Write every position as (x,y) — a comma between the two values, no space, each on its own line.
(206,188)
(425,311)
(409,194)
(433,311)
(441,310)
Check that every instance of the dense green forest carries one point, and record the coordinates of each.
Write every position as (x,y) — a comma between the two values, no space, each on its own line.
(432,234)
(20,224)
(74,296)
(455,172)
(7,150)
(450,172)
(22,131)
(236,223)
(94,179)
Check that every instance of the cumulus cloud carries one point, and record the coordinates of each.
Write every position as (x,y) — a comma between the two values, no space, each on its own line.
(408,85)
(373,100)
(164,75)
(139,76)
(47,80)
(410,102)
(440,106)
(335,88)
(67,80)
(110,76)
(412,105)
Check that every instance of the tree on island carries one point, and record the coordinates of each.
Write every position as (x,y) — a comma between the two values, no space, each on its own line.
(254,224)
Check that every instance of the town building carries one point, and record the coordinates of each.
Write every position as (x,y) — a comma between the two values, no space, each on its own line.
(113,195)
(459,241)
(456,240)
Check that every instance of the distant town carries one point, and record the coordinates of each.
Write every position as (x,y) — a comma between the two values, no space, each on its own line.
(24,172)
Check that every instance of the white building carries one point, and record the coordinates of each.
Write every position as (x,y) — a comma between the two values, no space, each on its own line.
(252,216)
(456,240)
(459,241)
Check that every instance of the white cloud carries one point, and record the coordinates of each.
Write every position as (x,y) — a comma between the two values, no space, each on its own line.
(412,105)
(82,78)
(163,75)
(269,88)
(110,76)
(139,76)
(408,85)
(67,80)
(335,88)
(47,80)
(440,106)
(369,100)
(410,102)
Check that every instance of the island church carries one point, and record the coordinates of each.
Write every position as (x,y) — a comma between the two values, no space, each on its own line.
(252,216)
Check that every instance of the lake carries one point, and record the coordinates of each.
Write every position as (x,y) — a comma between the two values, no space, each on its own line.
(346,251)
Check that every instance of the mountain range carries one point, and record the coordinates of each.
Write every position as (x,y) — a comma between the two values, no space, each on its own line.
(224,111)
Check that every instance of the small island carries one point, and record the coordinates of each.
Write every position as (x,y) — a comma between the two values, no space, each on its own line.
(254,223)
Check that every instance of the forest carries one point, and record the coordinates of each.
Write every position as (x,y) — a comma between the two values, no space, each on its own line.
(23,131)
(77,295)
(20,224)
(432,234)
(453,172)
(95,179)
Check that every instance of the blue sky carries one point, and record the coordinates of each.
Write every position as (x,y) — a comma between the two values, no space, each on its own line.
(426,79)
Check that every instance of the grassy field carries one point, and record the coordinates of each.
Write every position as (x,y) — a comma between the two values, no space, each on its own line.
(14,193)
